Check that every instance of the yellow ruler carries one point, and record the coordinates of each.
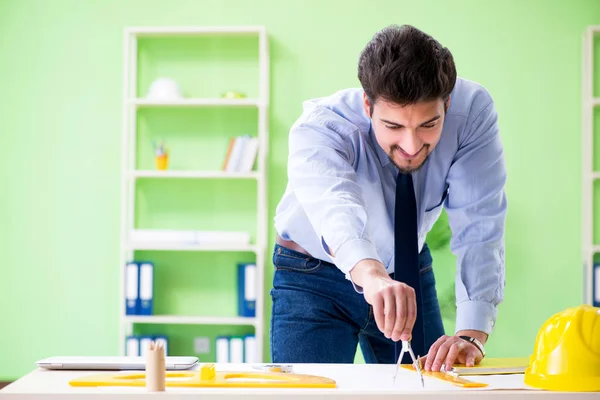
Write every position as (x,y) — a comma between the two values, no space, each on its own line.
(446,377)
(209,377)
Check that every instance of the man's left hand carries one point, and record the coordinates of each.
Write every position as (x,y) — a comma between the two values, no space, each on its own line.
(448,350)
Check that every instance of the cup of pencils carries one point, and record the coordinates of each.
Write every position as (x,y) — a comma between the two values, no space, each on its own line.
(161,156)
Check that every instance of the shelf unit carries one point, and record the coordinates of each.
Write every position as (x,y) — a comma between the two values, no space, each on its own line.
(589,176)
(193,174)
(130,175)
(182,319)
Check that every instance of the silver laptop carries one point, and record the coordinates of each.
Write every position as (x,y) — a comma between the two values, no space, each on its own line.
(112,363)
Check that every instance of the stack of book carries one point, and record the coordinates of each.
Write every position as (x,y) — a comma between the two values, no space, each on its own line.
(241,154)
(137,345)
(236,349)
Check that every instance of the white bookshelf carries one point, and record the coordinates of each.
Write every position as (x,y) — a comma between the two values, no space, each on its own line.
(197,103)
(130,176)
(191,320)
(158,246)
(194,174)
(589,176)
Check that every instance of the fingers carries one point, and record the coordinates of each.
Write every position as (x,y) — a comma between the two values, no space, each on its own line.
(447,350)
(406,312)
(394,308)
(410,301)
(470,360)
(442,353)
(378,312)
(389,302)
(433,350)
(472,356)
(455,349)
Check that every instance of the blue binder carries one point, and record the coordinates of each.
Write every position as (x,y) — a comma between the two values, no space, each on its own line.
(146,287)
(596,285)
(247,288)
(132,283)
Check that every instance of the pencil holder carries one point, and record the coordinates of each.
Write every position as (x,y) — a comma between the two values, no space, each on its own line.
(156,371)
(162,162)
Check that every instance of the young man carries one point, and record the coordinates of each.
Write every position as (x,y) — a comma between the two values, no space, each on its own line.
(369,172)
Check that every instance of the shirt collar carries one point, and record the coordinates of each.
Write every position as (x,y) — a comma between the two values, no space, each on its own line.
(381,154)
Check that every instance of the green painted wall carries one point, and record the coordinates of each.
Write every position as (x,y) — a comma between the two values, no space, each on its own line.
(60,126)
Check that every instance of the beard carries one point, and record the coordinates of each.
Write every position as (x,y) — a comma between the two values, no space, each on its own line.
(413,164)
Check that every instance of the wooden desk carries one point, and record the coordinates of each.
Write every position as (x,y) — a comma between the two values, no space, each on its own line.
(360,381)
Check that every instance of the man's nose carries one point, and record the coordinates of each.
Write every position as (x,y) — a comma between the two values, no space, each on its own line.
(411,143)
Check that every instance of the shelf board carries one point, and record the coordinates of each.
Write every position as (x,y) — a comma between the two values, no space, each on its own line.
(595,101)
(193,174)
(143,31)
(596,249)
(196,102)
(190,320)
(595,175)
(162,246)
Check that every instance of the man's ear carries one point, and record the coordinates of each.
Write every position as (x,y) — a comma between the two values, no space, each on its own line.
(447,104)
(367,105)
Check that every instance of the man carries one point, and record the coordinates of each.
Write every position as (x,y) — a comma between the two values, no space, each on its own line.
(369,172)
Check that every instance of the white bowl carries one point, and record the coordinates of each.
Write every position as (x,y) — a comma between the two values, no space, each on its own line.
(164,89)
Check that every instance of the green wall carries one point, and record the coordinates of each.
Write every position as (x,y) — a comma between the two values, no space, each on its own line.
(60,125)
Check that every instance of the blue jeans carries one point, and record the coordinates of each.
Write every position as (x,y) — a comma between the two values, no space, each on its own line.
(318,317)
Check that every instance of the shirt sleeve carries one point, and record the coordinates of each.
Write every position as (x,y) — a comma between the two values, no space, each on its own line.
(322,176)
(476,207)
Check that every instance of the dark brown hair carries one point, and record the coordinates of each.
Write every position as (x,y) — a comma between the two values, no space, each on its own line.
(404,65)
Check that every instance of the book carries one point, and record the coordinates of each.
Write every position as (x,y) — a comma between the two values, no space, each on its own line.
(494,366)
(247,289)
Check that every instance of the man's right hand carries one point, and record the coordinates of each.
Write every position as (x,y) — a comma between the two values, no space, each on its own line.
(394,303)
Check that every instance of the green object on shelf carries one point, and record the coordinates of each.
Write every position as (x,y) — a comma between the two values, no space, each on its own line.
(233,95)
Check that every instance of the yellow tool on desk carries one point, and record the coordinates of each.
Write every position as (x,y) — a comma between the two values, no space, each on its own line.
(449,377)
(416,361)
(209,377)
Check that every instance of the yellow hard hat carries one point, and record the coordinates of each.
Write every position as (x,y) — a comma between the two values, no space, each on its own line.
(566,355)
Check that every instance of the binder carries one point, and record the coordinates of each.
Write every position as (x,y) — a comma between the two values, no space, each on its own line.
(250,355)
(132,281)
(146,288)
(596,302)
(144,344)
(222,349)
(247,290)
(236,350)
(132,347)
(164,341)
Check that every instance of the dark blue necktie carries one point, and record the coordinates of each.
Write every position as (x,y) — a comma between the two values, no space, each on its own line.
(406,268)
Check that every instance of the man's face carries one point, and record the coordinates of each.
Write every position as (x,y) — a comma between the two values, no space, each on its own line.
(408,134)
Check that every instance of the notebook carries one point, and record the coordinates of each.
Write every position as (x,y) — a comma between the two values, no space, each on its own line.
(494,366)
(112,363)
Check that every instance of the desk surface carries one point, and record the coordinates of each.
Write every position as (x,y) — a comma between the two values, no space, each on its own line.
(353,381)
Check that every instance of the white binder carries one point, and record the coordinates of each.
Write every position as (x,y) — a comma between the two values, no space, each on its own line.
(222,350)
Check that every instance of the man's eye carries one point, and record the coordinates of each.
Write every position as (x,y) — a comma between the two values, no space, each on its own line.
(392,127)
(429,126)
